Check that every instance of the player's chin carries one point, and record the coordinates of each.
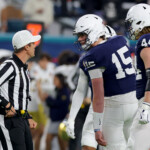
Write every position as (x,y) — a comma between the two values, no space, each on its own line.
(32,55)
(82,43)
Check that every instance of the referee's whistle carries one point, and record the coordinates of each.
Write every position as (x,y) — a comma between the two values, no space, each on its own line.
(22,112)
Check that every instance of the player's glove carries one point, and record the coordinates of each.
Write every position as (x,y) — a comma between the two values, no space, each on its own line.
(70,128)
(145,113)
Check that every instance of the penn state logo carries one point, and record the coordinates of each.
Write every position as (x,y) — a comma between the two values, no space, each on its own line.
(88,64)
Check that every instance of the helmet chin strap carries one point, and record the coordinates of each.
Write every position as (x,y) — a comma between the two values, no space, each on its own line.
(136,35)
(132,37)
(85,47)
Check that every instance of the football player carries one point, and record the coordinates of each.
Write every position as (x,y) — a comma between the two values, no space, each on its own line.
(88,130)
(138,26)
(107,68)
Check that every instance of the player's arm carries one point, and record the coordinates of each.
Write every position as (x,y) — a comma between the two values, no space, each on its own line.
(77,101)
(145,55)
(98,103)
(98,95)
(79,95)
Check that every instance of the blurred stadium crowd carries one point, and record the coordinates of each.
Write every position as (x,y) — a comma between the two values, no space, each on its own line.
(53,81)
(59,15)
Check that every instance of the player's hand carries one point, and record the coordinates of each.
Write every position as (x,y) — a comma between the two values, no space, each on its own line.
(10,111)
(100,139)
(32,123)
(144,113)
(70,128)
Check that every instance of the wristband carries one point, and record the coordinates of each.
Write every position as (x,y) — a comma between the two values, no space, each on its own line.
(97,117)
(148,80)
(95,130)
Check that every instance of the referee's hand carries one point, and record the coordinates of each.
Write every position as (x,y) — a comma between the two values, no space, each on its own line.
(11,112)
(32,123)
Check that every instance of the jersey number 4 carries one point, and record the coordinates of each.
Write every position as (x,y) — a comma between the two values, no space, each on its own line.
(126,61)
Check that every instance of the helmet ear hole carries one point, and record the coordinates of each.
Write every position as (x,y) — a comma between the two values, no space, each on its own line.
(138,22)
(109,32)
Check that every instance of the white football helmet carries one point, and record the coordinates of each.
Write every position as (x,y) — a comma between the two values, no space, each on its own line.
(137,18)
(93,26)
(109,32)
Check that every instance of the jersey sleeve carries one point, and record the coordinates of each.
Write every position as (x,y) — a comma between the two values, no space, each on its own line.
(6,72)
(94,60)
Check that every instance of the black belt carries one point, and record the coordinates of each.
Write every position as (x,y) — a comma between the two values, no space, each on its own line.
(22,113)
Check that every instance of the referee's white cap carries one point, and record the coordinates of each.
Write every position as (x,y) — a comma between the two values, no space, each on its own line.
(22,38)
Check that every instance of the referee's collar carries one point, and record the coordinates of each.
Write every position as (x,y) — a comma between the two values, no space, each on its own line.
(19,62)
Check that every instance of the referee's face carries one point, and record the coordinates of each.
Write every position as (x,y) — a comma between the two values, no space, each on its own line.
(31,50)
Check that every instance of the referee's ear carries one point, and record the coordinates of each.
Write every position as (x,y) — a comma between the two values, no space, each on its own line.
(26,47)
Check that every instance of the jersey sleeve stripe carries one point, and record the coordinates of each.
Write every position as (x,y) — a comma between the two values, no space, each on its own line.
(5,73)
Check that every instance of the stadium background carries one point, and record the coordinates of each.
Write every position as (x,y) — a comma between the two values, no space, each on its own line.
(57,33)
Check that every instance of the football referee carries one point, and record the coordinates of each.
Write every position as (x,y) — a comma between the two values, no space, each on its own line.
(15,122)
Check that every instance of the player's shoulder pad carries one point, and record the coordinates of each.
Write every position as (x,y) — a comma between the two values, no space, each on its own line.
(117,38)
(87,61)
(144,41)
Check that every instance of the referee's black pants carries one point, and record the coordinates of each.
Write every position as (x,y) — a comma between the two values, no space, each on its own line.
(19,132)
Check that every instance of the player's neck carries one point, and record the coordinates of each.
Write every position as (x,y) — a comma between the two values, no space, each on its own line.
(100,40)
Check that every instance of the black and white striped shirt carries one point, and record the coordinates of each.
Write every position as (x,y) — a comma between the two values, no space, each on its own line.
(14,83)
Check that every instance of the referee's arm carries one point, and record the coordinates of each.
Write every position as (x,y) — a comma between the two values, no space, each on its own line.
(6,73)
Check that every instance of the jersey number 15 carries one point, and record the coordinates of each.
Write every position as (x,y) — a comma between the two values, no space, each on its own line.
(126,61)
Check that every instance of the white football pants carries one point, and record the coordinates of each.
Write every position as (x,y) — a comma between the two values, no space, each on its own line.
(119,112)
(140,134)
